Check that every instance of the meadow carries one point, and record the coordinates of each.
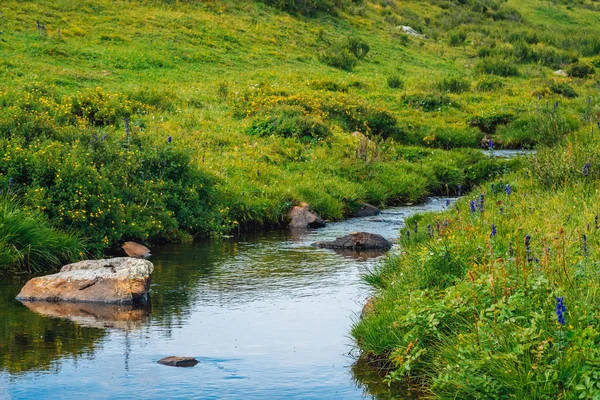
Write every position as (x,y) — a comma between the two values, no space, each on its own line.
(172,120)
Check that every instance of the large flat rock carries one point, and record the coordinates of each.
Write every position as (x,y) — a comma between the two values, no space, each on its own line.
(121,280)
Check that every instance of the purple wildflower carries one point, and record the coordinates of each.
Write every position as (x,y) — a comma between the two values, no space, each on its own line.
(472,206)
(127,126)
(169,139)
(560,310)
(507,188)
(447,203)
(586,169)
(493,233)
(491,144)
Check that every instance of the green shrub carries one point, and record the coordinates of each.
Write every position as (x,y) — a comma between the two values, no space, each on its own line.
(457,38)
(307,7)
(454,85)
(489,84)
(394,82)
(290,121)
(429,102)
(544,126)
(495,65)
(563,89)
(580,70)
(345,56)
(358,47)
(339,57)
(489,123)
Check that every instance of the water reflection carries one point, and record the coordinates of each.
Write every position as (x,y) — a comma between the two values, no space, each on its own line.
(124,317)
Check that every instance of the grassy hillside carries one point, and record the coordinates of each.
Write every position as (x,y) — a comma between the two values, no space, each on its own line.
(158,120)
(497,298)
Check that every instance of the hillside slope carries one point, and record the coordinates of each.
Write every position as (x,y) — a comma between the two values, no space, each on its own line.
(157,120)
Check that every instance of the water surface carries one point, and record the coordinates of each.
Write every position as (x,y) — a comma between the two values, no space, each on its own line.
(267,315)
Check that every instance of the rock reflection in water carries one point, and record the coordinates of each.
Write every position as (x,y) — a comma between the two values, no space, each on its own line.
(91,315)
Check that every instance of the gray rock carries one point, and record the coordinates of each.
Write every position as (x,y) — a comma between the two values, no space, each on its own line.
(366,210)
(173,361)
(303,217)
(410,31)
(357,241)
(560,72)
(122,280)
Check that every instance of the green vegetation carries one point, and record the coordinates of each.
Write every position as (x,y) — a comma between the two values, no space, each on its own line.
(165,121)
(469,309)
(27,241)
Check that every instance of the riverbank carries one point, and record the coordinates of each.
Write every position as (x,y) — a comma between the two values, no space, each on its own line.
(496,297)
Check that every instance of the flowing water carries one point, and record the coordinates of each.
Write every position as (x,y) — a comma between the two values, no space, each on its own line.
(267,315)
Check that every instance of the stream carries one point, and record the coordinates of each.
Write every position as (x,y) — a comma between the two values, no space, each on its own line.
(267,315)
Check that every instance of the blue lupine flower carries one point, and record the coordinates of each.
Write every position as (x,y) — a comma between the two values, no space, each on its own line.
(556,105)
(507,188)
(560,310)
(584,240)
(447,203)
(528,247)
(169,139)
(472,206)
(493,188)
(127,126)
(493,231)
(481,202)
(586,169)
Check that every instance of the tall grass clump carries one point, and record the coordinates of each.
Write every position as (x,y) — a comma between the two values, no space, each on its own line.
(29,243)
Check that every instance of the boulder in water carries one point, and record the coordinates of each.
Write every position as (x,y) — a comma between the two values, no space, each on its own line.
(303,217)
(357,241)
(122,280)
(136,250)
(366,210)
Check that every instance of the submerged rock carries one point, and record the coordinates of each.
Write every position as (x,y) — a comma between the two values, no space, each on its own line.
(122,280)
(136,250)
(357,241)
(303,217)
(178,361)
(366,210)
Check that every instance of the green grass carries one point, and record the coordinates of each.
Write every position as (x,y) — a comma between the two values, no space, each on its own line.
(261,100)
(28,242)
(468,314)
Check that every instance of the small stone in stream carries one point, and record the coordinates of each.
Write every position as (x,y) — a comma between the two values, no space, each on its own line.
(183,362)
(357,241)
(136,250)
